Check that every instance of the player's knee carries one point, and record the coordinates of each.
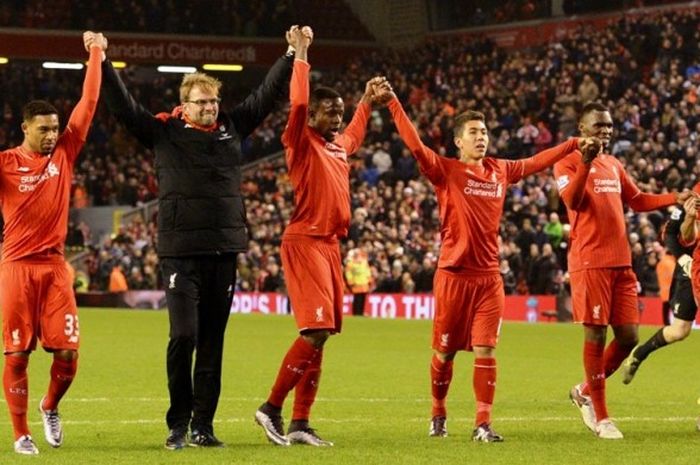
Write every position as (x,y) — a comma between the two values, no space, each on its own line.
(628,340)
(67,355)
(677,333)
(445,356)
(483,352)
(317,338)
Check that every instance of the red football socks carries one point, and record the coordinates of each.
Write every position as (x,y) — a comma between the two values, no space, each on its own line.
(594,366)
(62,374)
(299,357)
(16,387)
(613,357)
(484,388)
(306,389)
(440,376)
(615,354)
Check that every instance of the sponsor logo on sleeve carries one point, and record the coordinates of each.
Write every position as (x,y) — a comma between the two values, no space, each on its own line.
(562,182)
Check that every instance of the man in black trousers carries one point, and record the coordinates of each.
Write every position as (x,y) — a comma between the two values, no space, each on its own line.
(201,226)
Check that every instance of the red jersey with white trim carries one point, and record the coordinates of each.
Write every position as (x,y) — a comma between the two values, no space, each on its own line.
(598,230)
(319,169)
(470,197)
(35,188)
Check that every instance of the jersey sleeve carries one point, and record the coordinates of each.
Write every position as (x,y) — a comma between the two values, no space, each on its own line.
(80,119)
(353,135)
(428,160)
(571,180)
(629,189)
(295,130)
(544,159)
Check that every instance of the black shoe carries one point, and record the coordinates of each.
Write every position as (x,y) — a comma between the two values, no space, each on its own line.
(177,439)
(203,438)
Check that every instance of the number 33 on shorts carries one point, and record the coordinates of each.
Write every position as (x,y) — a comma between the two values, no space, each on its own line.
(72,328)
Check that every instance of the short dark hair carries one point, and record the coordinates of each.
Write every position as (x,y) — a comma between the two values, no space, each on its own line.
(590,107)
(323,93)
(37,107)
(464,118)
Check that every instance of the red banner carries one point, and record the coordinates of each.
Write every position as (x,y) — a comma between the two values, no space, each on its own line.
(531,308)
(169,49)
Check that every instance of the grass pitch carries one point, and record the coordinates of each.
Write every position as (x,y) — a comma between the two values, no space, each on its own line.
(373,402)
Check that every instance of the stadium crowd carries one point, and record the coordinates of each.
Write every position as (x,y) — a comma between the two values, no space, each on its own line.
(241,18)
(530,98)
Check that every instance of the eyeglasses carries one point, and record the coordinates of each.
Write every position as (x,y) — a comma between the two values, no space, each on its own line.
(204,101)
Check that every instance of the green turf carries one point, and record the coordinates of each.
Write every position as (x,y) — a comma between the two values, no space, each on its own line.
(374,398)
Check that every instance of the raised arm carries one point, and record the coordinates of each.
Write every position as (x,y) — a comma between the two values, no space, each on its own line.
(251,112)
(642,202)
(549,157)
(687,231)
(351,139)
(427,159)
(298,93)
(571,174)
(81,117)
(139,121)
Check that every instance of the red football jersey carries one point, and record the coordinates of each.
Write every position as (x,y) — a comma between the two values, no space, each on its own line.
(471,197)
(35,188)
(598,230)
(319,169)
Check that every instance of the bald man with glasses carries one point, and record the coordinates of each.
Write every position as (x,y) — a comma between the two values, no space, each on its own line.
(201,226)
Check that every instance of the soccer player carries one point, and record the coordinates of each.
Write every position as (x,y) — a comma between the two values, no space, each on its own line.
(603,285)
(469,295)
(681,234)
(316,154)
(201,228)
(37,295)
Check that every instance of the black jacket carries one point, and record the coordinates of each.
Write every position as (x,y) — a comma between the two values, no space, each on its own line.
(200,209)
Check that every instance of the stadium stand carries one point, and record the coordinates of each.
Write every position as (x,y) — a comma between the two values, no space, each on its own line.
(250,18)
(530,97)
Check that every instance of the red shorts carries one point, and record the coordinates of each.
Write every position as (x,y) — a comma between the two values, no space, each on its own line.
(314,277)
(605,296)
(468,311)
(37,302)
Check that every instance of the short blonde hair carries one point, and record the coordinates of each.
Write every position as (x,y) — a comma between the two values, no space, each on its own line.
(201,80)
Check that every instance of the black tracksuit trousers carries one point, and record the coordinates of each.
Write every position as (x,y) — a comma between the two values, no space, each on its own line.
(199,292)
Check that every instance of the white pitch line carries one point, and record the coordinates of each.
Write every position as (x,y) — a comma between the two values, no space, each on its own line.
(370,400)
(147,421)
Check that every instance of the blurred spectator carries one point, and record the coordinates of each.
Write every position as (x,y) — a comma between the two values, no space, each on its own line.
(554,230)
(273,281)
(509,282)
(358,276)
(117,280)
(664,273)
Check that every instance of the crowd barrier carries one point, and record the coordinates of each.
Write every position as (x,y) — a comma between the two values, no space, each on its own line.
(531,308)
